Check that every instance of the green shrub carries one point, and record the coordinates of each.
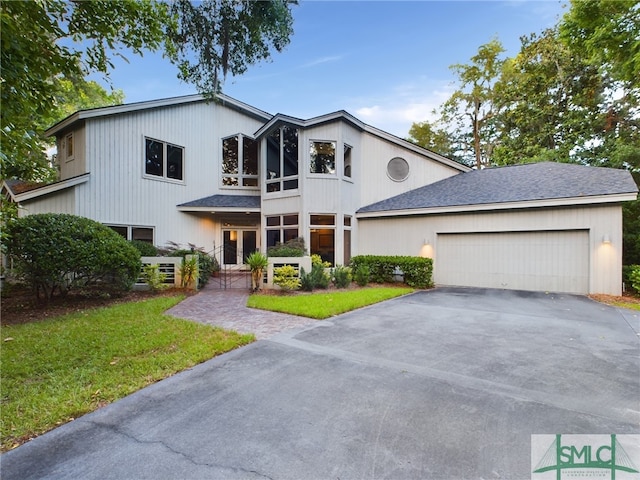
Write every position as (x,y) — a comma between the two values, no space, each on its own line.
(189,271)
(634,277)
(206,263)
(286,277)
(153,277)
(417,271)
(146,249)
(59,252)
(362,274)
(293,248)
(341,276)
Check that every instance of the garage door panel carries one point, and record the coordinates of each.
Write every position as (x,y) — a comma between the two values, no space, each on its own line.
(546,261)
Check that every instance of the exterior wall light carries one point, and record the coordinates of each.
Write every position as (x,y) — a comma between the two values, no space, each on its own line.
(606,239)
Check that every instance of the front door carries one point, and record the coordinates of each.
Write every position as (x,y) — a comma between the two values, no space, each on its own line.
(238,245)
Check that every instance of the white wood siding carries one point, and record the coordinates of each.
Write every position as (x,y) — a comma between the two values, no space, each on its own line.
(375,156)
(59,202)
(407,235)
(120,194)
(556,261)
(78,165)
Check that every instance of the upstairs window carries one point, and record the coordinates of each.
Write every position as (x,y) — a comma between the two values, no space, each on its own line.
(347,160)
(322,157)
(163,159)
(282,159)
(68,147)
(239,162)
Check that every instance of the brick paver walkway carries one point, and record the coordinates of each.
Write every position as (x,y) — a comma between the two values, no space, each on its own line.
(227,309)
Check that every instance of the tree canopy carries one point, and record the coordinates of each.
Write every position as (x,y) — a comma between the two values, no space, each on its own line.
(67,41)
(571,94)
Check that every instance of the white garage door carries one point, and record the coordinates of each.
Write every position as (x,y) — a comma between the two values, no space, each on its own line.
(554,261)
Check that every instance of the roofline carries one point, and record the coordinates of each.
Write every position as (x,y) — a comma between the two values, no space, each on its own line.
(329,117)
(48,189)
(346,116)
(150,104)
(550,202)
(219,209)
(416,148)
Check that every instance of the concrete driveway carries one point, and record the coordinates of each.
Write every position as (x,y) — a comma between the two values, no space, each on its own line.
(447,383)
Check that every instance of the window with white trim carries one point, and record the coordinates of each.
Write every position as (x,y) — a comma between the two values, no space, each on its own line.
(163,160)
(322,229)
(282,159)
(322,157)
(68,147)
(347,160)
(281,228)
(239,161)
(131,232)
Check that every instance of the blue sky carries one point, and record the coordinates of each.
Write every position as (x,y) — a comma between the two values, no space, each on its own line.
(386,62)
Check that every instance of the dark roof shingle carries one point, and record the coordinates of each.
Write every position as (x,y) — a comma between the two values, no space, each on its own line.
(228,201)
(518,183)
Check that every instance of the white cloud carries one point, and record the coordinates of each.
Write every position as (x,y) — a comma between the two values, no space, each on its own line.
(405,105)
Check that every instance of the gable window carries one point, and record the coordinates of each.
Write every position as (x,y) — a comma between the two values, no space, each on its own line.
(322,157)
(239,162)
(282,159)
(347,160)
(68,147)
(163,159)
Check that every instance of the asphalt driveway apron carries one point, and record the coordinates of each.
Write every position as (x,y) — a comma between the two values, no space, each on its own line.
(448,383)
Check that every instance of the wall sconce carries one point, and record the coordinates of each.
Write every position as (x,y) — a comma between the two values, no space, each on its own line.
(606,239)
(426,241)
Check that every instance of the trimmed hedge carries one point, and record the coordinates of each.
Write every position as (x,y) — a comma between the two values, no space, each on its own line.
(417,271)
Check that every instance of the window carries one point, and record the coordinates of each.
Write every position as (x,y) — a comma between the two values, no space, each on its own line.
(68,147)
(282,159)
(322,157)
(144,234)
(323,234)
(239,162)
(281,228)
(347,240)
(347,160)
(163,159)
(398,169)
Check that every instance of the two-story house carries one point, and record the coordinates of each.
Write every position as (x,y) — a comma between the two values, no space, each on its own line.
(226,174)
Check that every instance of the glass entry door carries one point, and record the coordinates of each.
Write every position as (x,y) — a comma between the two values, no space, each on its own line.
(238,245)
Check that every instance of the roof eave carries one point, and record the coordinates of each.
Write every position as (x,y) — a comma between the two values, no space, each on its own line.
(164,102)
(51,188)
(218,209)
(551,202)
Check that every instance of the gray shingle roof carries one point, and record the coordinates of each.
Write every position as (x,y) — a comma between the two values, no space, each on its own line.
(228,201)
(518,183)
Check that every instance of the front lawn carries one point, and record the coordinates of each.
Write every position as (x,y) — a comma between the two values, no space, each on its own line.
(58,369)
(325,305)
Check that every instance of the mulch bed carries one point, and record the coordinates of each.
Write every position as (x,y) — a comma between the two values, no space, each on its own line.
(19,304)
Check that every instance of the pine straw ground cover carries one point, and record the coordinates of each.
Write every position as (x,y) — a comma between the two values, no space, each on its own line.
(626,301)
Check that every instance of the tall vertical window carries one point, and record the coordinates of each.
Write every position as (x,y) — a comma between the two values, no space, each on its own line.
(163,159)
(239,161)
(323,236)
(68,150)
(346,244)
(347,160)
(322,157)
(282,159)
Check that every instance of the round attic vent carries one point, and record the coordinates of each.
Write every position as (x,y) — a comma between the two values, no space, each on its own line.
(398,169)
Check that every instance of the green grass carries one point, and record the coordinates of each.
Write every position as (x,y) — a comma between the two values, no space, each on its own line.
(56,370)
(629,305)
(325,305)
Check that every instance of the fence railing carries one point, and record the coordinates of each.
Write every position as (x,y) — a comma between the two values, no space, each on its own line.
(168,266)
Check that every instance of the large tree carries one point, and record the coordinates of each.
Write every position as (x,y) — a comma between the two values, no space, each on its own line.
(472,109)
(67,40)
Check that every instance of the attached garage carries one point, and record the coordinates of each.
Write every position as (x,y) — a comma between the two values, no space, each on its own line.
(545,227)
(555,261)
